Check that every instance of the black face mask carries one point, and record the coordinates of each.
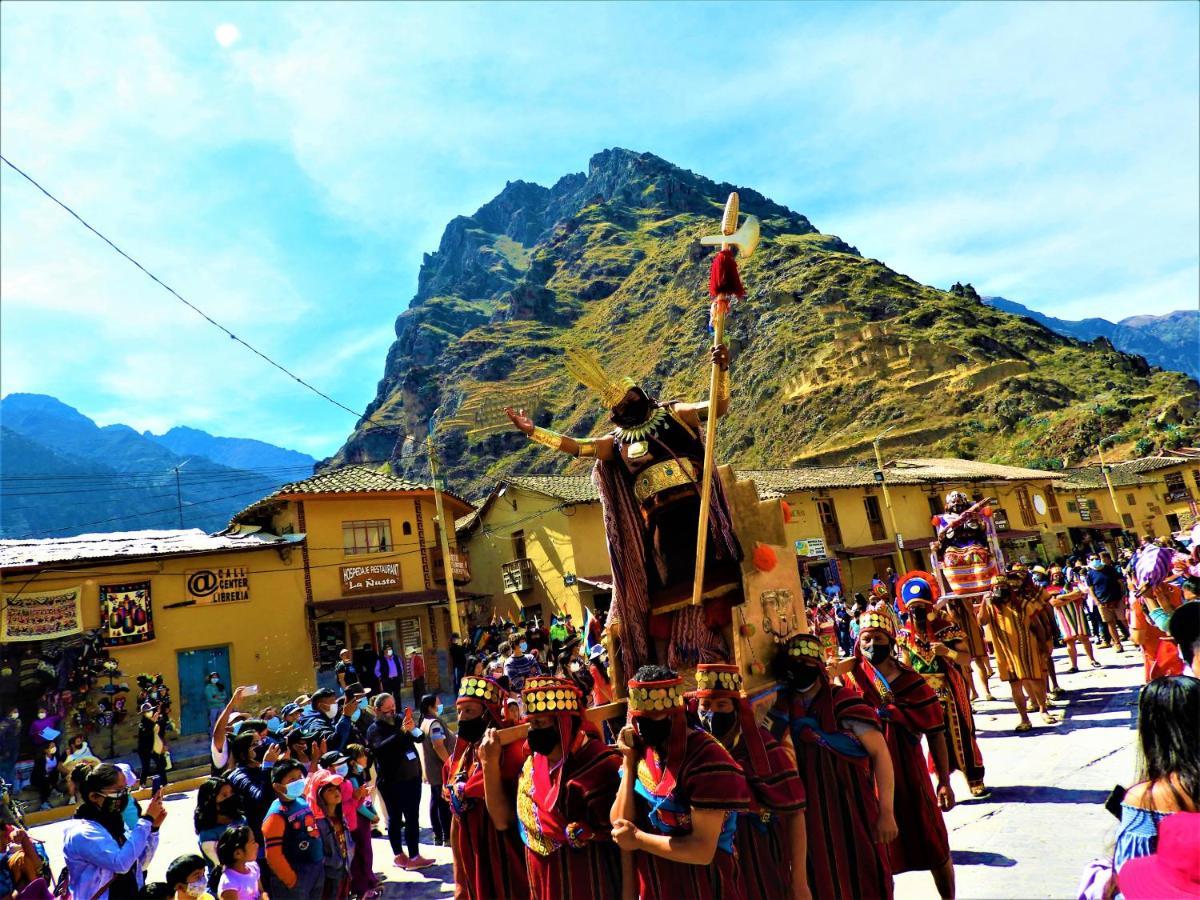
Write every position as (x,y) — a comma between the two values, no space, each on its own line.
(878,653)
(229,807)
(653,732)
(801,678)
(112,806)
(718,723)
(543,740)
(920,615)
(472,730)
(632,413)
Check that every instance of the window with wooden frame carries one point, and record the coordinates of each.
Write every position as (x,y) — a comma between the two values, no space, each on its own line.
(935,505)
(1026,507)
(1130,500)
(874,518)
(829,521)
(367,536)
(1052,505)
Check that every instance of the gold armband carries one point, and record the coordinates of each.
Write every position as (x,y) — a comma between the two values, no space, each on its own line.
(547,438)
(587,447)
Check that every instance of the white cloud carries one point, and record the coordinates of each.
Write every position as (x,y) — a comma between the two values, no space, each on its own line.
(227,34)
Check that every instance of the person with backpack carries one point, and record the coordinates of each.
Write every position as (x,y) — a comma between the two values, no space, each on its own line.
(294,850)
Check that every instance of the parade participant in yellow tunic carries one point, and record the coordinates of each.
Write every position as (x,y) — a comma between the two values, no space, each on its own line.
(1018,633)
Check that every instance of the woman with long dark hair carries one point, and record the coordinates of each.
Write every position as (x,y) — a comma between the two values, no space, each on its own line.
(217,809)
(105,857)
(1168,722)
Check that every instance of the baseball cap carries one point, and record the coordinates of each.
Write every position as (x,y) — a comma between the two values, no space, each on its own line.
(333,758)
(322,694)
(288,709)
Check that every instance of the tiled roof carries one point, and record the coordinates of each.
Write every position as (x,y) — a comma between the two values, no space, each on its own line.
(1154,463)
(963,470)
(343,480)
(134,545)
(1090,478)
(777,482)
(571,488)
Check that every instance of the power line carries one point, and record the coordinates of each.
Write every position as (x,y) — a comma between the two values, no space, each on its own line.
(197,310)
(149,512)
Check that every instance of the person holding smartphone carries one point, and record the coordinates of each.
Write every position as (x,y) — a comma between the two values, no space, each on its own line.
(398,762)
(106,857)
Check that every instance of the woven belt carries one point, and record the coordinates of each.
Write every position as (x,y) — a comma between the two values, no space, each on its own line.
(661,476)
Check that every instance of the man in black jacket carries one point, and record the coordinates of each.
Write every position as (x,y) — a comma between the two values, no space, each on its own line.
(398,764)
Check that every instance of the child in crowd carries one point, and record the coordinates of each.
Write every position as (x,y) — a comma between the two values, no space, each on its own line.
(293,842)
(187,876)
(336,841)
(362,864)
(241,878)
(217,808)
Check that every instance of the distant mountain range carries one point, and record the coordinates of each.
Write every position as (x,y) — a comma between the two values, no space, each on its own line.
(1169,342)
(62,474)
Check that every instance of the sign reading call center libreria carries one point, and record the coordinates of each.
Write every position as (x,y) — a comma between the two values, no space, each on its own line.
(228,585)
(369,579)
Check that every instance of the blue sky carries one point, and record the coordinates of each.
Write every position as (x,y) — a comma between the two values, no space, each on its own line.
(285,166)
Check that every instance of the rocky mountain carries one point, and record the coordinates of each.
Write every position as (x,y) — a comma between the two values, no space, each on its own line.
(61,474)
(830,347)
(1171,341)
(237,453)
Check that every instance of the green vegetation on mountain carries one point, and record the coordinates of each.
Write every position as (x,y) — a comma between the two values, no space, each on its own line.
(830,348)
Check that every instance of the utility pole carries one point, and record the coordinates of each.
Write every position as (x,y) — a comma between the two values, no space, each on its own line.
(887,500)
(179,492)
(1108,480)
(447,561)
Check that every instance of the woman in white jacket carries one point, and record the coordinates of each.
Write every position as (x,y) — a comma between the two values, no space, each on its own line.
(105,856)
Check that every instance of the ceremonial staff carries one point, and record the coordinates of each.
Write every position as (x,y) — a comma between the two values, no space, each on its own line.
(724,283)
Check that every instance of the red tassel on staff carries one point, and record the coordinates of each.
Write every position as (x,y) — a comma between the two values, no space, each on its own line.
(724,277)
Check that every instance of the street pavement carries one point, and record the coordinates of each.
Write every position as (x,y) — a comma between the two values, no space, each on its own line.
(1030,839)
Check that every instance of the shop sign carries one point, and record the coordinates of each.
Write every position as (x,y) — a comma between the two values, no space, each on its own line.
(227,584)
(813,548)
(371,579)
(1000,517)
(1085,511)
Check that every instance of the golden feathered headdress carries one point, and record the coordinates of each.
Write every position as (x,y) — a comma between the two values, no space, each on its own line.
(584,366)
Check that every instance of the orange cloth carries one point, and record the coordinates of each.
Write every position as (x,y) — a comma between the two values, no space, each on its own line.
(1018,649)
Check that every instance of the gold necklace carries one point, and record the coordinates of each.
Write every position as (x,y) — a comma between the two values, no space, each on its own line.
(643,431)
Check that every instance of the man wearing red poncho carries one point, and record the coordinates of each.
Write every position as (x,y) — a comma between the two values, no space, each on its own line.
(488,863)
(563,798)
(908,708)
(847,772)
(771,835)
(676,809)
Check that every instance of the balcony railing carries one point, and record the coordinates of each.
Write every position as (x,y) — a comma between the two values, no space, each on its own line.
(517,576)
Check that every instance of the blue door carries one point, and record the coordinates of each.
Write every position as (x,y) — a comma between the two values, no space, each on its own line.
(194,669)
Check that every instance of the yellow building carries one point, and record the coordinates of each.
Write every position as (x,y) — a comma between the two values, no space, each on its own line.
(840,524)
(537,549)
(1176,476)
(537,543)
(179,603)
(345,558)
(373,572)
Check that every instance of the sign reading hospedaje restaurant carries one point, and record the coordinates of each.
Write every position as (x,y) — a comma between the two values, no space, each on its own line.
(371,579)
